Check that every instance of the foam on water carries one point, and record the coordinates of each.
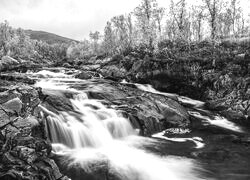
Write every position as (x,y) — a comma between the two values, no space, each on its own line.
(129,163)
(50,74)
(218,120)
(197,140)
(193,102)
(49,84)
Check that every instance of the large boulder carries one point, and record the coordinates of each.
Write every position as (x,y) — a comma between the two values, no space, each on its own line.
(57,101)
(8,63)
(113,71)
(86,75)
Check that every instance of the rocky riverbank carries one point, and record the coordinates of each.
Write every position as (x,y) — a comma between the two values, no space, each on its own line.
(222,81)
(215,73)
(25,152)
(25,146)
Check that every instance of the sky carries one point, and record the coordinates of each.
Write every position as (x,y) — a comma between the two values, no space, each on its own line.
(69,18)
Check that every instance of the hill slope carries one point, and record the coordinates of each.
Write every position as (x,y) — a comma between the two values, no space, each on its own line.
(50,38)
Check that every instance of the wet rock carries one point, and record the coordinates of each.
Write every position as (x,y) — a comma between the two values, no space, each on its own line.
(8,63)
(113,71)
(4,118)
(49,168)
(8,95)
(30,99)
(93,67)
(8,159)
(177,131)
(26,154)
(66,65)
(57,102)
(85,75)
(14,105)
(149,112)
(17,78)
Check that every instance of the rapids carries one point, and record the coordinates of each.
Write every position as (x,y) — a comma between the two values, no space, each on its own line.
(97,142)
(97,134)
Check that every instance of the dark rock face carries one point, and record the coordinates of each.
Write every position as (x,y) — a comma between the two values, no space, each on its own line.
(10,64)
(24,150)
(17,78)
(66,65)
(148,112)
(113,71)
(86,75)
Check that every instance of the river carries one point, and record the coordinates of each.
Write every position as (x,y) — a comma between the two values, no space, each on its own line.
(95,141)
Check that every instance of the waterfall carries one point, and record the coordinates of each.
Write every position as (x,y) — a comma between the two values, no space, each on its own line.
(93,125)
(93,134)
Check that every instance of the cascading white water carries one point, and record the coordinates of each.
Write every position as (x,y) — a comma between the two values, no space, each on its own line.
(93,133)
(93,125)
(49,74)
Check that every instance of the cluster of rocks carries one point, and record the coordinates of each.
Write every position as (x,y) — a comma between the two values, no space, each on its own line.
(8,63)
(24,149)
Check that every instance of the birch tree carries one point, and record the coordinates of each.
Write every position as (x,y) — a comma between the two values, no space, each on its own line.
(144,14)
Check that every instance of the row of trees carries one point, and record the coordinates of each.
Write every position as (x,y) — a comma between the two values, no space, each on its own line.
(149,24)
(16,43)
(213,19)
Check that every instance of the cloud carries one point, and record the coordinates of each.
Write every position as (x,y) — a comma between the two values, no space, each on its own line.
(71,18)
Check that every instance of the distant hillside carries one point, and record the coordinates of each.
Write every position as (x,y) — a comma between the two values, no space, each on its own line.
(50,38)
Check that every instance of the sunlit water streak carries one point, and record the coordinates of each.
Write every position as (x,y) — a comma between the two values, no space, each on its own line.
(182,99)
(218,120)
(196,140)
(93,134)
(50,74)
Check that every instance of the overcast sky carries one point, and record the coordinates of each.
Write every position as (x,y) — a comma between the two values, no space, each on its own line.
(69,18)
